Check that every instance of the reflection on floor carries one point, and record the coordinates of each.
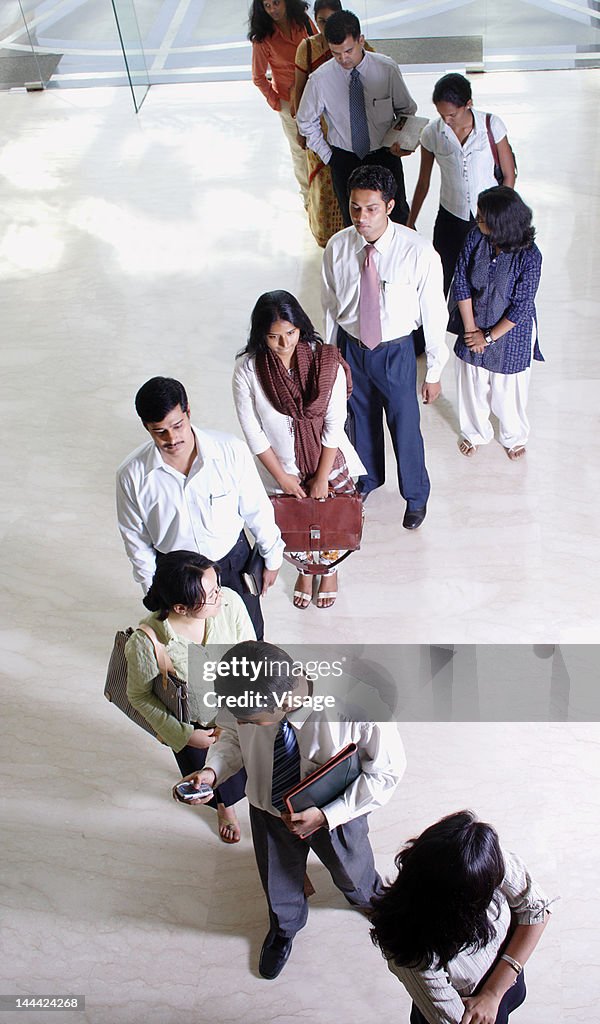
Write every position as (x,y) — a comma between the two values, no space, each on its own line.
(114,892)
(131,247)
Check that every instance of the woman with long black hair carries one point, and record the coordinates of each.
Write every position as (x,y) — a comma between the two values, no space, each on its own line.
(290,393)
(277,28)
(459,922)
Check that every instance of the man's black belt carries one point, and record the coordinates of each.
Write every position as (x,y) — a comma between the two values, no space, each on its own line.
(393,341)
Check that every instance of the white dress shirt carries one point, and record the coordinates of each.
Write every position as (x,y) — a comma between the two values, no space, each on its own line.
(465,170)
(264,427)
(328,92)
(412,293)
(379,745)
(161,509)
(437,991)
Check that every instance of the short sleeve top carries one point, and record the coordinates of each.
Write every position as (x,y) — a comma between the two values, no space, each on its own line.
(465,170)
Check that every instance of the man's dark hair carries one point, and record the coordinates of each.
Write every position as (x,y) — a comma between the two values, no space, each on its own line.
(507,217)
(441,900)
(454,89)
(341,25)
(327,5)
(272,667)
(262,25)
(373,178)
(157,397)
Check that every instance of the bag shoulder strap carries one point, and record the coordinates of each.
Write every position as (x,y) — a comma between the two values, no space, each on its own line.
(163,660)
(308,55)
(492,141)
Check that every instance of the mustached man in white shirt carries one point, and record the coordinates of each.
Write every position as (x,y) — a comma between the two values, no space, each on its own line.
(276,732)
(380,283)
(193,490)
(360,94)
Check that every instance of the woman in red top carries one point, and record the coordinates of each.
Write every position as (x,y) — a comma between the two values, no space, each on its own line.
(276,29)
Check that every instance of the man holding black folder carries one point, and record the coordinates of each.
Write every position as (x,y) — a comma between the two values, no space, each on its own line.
(279,743)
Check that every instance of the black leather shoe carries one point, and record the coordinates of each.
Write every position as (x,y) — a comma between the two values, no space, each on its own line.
(274,955)
(413,519)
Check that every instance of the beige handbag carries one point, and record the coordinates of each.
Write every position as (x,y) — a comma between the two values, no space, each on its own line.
(170,690)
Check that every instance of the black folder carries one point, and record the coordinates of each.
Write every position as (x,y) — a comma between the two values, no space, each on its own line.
(327,782)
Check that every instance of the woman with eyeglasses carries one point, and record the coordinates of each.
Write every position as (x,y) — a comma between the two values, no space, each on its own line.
(494,289)
(459,142)
(277,28)
(459,922)
(188,605)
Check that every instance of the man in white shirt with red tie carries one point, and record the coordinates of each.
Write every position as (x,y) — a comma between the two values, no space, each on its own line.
(380,282)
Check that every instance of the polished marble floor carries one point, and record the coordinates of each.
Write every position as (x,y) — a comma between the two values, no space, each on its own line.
(136,246)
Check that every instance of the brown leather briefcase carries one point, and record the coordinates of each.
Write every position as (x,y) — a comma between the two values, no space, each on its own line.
(327,529)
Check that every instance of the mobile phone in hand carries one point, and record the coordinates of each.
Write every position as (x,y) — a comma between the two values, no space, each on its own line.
(187,792)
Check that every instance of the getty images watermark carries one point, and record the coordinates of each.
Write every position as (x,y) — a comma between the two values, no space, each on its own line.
(250,670)
(411,682)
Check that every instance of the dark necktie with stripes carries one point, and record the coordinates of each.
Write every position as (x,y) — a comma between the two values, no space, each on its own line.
(359,126)
(286,763)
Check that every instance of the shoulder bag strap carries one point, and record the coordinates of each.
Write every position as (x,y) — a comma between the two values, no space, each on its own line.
(492,141)
(163,660)
(308,55)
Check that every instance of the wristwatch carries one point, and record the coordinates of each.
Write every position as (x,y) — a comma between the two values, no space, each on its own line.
(487,335)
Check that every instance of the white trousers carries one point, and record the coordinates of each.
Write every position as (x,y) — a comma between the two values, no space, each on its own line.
(481,392)
(298,154)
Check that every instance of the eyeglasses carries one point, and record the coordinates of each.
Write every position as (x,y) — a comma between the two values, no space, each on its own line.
(214,596)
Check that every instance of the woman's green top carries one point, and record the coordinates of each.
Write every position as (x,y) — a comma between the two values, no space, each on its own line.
(230,626)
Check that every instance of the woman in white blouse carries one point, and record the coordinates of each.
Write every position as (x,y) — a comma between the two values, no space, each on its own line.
(459,923)
(290,393)
(459,140)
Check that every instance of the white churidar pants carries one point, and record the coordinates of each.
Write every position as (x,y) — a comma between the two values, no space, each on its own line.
(298,154)
(481,392)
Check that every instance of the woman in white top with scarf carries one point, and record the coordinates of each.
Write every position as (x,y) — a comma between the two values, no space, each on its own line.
(290,393)
(459,141)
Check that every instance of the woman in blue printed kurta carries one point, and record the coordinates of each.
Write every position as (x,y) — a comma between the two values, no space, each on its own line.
(494,288)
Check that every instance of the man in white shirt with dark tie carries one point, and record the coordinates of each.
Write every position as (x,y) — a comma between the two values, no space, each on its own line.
(360,94)
(380,283)
(193,490)
(280,743)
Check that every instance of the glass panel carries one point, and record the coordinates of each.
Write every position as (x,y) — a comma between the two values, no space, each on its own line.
(516,34)
(133,51)
(18,62)
(540,34)
(205,40)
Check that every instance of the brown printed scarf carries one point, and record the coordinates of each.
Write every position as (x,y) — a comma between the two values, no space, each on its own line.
(304,395)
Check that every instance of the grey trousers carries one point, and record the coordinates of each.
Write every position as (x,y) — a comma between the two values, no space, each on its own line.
(281,859)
